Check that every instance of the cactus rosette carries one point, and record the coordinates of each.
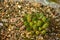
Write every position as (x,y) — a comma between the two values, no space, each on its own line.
(36,22)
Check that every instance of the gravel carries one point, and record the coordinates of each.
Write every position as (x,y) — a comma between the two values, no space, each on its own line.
(13,28)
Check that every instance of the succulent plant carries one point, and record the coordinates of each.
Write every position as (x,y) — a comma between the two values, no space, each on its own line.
(36,22)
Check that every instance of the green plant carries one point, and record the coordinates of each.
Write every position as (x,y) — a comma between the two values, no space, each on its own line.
(36,22)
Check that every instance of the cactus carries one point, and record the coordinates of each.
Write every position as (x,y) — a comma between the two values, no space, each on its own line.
(43,32)
(36,22)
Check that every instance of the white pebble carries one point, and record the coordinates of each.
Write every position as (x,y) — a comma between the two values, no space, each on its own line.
(4,20)
(19,6)
(1,24)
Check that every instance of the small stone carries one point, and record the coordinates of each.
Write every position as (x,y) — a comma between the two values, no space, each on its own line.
(1,24)
(19,6)
(48,10)
(17,3)
(22,35)
(22,27)
(13,20)
(7,6)
(9,35)
(53,34)
(57,20)
(28,34)
(23,12)
(4,20)
(10,27)
(57,38)
(41,38)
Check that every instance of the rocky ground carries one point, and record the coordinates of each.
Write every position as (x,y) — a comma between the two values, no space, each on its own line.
(11,23)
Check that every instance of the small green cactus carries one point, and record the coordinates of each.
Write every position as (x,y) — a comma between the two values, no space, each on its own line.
(36,22)
(28,18)
(43,32)
(45,25)
(39,23)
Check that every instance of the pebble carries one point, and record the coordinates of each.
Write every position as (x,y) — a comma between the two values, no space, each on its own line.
(28,35)
(13,20)
(40,38)
(57,38)
(22,28)
(22,35)
(7,5)
(19,6)
(53,34)
(4,20)
(10,27)
(1,24)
